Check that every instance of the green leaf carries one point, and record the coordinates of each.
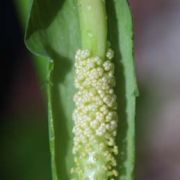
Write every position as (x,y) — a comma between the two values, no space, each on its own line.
(53,32)
(41,65)
(121,38)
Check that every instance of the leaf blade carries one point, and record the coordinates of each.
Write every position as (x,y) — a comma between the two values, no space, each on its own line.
(57,38)
(121,36)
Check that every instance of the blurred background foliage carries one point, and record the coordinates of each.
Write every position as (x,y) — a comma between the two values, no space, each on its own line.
(24,148)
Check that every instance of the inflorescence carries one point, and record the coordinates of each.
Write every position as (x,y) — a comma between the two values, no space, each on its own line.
(95,118)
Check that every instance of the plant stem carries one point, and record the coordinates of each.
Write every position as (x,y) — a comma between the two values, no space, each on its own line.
(93,25)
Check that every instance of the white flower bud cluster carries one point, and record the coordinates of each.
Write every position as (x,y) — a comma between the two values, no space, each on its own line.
(95,118)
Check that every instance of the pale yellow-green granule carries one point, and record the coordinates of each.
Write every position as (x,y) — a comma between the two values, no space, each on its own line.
(95,118)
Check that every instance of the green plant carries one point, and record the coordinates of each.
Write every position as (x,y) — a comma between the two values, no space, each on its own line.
(56,30)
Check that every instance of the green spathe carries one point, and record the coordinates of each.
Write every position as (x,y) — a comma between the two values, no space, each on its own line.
(53,31)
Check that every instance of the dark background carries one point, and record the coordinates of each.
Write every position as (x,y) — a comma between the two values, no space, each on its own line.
(24,151)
